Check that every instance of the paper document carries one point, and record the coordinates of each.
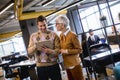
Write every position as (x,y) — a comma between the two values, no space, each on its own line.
(48,44)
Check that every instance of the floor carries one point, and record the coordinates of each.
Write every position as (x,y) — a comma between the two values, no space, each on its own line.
(64,76)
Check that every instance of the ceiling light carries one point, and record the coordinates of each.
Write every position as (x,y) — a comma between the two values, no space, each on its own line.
(12,16)
(47,2)
(7,7)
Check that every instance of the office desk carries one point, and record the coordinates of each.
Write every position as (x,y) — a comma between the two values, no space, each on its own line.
(104,58)
(4,62)
(28,65)
(113,39)
(99,61)
(103,54)
(23,63)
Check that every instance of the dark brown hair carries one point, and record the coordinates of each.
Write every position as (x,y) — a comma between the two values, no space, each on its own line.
(41,18)
(83,36)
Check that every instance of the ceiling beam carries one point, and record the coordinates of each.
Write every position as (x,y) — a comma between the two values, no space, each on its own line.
(31,15)
(36,14)
(18,8)
(9,34)
(15,8)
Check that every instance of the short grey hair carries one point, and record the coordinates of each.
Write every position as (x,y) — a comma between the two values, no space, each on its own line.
(64,20)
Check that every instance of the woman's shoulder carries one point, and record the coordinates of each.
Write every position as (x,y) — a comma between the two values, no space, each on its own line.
(72,33)
(52,33)
(34,34)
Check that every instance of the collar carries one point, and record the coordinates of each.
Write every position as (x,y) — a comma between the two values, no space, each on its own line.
(66,32)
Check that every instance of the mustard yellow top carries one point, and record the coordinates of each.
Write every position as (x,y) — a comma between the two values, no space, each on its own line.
(71,43)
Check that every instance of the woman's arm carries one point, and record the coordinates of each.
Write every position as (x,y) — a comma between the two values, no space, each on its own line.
(31,47)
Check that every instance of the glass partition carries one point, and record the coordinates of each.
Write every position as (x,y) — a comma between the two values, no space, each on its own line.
(101,17)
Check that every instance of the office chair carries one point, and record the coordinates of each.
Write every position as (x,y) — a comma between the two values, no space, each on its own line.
(9,72)
(97,49)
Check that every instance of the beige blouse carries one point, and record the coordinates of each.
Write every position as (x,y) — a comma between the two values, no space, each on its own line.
(42,58)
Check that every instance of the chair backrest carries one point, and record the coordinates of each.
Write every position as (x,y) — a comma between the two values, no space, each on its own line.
(8,71)
(5,58)
(99,48)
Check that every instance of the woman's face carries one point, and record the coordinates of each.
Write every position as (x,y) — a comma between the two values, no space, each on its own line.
(59,25)
(42,26)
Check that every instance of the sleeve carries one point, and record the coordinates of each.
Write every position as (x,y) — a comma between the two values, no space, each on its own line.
(56,42)
(31,47)
(77,48)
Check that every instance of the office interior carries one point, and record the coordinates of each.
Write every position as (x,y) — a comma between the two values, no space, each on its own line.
(99,15)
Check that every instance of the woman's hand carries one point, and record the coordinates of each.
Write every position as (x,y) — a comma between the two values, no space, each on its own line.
(47,50)
(64,51)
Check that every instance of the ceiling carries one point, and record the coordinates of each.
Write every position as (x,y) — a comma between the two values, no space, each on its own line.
(27,9)
(8,21)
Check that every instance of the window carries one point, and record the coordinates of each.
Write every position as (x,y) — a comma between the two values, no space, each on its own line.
(91,18)
(15,44)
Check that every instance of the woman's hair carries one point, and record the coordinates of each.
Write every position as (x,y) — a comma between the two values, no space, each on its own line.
(63,20)
(41,18)
(83,36)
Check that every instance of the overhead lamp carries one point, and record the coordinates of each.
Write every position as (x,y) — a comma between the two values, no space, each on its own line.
(7,6)
(47,3)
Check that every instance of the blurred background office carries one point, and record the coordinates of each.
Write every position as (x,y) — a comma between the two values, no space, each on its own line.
(99,15)
(80,17)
